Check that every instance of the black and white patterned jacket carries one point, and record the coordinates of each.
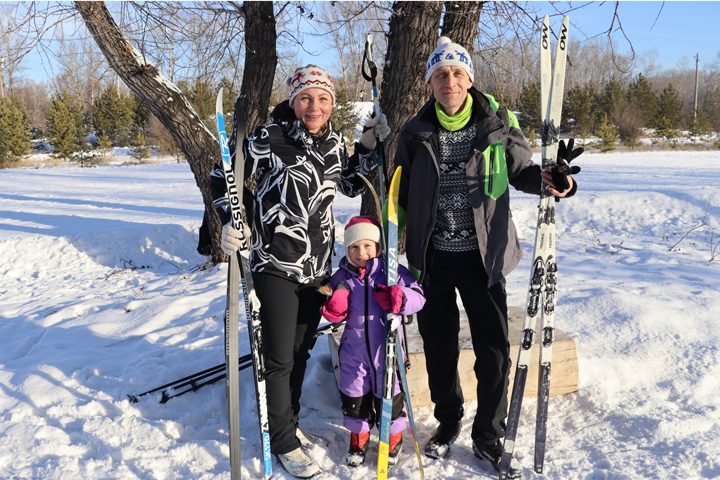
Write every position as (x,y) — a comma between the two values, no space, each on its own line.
(297,176)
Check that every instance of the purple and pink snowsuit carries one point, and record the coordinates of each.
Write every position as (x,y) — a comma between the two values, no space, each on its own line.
(362,345)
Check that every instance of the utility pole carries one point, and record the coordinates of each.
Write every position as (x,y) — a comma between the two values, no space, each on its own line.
(697,74)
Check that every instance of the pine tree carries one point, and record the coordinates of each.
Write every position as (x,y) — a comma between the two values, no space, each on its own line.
(141,115)
(15,126)
(669,109)
(607,135)
(530,107)
(343,115)
(642,99)
(202,98)
(700,125)
(579,106)
(64,121)
(141,151)
(113,114)
(711,107)
(611,95)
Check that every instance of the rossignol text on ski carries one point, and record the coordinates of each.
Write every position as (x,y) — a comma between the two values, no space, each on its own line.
(232,311)
(252,303)
(542,291)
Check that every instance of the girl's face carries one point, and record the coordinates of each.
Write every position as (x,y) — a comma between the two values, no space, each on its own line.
(362,251)
(313,107)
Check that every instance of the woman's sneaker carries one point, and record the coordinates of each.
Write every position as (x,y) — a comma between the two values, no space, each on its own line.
(308,440)
(439,444)
(358,449)
(493,454)
(395,449)
(298,464)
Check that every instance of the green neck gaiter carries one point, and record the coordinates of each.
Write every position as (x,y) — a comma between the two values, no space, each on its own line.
(457,121)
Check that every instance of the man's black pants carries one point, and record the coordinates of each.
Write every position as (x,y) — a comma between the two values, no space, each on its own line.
(439,325)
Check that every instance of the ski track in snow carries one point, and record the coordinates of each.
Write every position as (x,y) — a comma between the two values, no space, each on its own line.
(80,329)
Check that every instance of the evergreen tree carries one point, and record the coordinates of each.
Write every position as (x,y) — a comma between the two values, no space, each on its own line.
(343,115)
(141,115)
(530,107)
(113,115)
(642,99)
(202,98)
(141,151)
(609,98)
(711,107)
(15,126)
(5,156)
(64,120)
(667,128)
(669,109)
(579,106)
(607,135)
(700,125)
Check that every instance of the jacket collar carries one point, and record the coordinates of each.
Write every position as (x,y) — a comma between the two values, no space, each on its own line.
(425,123)
(373,266)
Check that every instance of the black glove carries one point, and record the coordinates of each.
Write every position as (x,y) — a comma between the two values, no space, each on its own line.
(565,155)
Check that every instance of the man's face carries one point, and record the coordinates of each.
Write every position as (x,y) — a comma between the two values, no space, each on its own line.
(450,85)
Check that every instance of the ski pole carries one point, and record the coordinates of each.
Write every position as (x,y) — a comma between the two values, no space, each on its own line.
(371,77)
(192,379)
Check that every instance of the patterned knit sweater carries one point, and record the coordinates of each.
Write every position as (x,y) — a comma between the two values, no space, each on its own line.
(454,230)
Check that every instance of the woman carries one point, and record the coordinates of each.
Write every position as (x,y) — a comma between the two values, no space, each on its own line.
(300,160)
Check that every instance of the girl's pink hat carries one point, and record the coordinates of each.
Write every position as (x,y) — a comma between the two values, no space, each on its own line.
(362,228)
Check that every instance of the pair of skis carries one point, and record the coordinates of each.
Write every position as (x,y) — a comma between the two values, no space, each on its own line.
(542,292)
(252,309)
(393,355)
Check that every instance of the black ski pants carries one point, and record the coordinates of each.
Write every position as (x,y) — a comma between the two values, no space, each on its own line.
(439,325)
(290,314)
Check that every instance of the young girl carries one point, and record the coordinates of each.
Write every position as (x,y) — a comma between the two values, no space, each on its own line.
(359,294)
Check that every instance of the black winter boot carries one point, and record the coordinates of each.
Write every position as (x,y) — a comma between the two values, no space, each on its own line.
(439,444)
(493,454)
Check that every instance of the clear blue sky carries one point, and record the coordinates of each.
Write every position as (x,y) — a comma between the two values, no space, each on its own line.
(682,29)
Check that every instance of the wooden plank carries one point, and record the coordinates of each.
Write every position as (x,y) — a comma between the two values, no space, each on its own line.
(564,377)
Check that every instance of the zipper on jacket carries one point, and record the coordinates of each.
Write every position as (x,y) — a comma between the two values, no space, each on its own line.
(367,331)
(491,173)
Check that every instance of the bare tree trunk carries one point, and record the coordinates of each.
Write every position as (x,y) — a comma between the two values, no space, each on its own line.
(163,98)
(412,37)
(260,62)
(460,23)
(169,105)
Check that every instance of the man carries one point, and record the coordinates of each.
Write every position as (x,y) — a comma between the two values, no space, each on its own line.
(458,156)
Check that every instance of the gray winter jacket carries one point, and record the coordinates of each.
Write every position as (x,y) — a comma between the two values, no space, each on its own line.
(501,156)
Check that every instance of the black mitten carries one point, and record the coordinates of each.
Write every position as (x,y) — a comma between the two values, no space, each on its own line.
(565,155)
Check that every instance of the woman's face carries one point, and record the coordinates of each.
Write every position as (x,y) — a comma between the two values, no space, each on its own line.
(313,107)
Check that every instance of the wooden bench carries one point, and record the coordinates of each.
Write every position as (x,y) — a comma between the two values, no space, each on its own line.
(564,378)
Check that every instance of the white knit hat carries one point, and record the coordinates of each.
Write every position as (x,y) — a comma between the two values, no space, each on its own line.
(362,228)
(448,53)
(310,76)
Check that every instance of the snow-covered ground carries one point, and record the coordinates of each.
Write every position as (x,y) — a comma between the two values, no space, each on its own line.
(78,333)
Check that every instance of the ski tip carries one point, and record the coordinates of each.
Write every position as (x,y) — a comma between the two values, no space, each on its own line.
(219,101)
(132,398)
(394,193)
